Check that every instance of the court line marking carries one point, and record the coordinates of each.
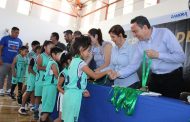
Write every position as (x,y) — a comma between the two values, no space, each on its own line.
(9,106)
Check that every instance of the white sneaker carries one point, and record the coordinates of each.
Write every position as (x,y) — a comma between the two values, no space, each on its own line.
(22,111)
(8,91)
(2,93)
(32,109)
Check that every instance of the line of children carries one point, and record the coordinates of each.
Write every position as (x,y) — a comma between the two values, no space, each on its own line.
(44,74)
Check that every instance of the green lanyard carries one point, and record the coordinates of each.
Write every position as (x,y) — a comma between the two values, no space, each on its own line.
(145,70)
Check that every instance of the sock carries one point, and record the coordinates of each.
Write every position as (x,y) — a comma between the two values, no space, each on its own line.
(12,89)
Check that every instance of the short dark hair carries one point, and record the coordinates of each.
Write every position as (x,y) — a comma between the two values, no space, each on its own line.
(118,29)
(14,29)
(83,41)
(98,32)
(35,42)
(68,32)
(23,48)
(56,35)
(78,33)
(55,50)
(141,21)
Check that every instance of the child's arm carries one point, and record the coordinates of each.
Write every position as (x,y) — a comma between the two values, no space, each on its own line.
(60,84)
(13,66)
(55,71)
(94,75)
(30,70)
(39,63)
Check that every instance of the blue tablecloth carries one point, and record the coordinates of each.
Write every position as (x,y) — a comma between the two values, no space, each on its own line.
(97,108)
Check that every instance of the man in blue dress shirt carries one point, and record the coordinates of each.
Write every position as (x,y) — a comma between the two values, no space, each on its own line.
(9,47)
(160,45)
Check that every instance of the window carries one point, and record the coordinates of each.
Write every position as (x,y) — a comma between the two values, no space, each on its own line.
(128,6)
(23,7)
(3,3)
(148,3)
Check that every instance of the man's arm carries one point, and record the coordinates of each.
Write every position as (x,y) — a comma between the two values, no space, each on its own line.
(175,52)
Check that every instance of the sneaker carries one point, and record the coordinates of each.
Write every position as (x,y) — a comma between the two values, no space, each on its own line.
(22,111)
(32,109)
(2,93)
(7,92)
(36,114)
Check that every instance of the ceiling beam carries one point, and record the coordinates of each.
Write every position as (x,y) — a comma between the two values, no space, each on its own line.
(101,8)
(39,4)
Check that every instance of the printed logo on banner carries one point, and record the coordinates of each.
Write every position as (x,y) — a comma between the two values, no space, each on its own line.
(178,15)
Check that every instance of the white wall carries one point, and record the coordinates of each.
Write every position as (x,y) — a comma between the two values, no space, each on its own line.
(31,27)
(166,7)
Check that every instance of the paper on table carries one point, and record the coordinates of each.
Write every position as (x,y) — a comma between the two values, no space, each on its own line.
(151,94)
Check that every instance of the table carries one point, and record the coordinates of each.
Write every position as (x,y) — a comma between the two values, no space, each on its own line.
(98,108)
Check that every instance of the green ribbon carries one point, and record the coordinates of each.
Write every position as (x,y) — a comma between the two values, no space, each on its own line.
(145,71)
(125,98)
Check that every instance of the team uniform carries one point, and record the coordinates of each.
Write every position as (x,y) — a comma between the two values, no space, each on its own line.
(49,92)
(31,77)
(20,68)
(64,73)
(40,75)
(29,56)
(73,90)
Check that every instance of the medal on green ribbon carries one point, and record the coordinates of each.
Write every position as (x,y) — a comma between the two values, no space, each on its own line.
(145,71)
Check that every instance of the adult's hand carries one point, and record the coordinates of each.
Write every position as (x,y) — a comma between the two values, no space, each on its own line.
(152,54)
(113,75)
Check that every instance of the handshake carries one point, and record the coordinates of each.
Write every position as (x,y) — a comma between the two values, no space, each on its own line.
(112,74)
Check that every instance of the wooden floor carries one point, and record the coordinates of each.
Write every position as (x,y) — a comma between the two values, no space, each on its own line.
(9,111)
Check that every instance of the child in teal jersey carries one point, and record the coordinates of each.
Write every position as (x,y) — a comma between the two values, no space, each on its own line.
(64,61)
(49,92)
(18,72)
(29,56)
(32,69)
(76,83)
(42,61)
